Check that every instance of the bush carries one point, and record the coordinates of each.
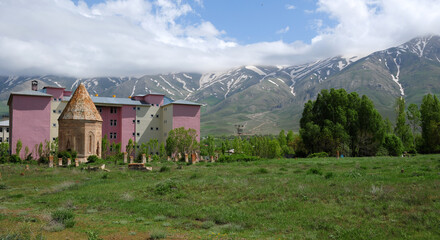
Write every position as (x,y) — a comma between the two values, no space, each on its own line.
(237,158)
(64,155)
(65,217)
(93,159)
(318,155)
(14,158)
(393,144)
(165,187)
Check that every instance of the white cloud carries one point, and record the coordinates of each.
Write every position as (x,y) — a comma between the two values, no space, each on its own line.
(290,7)
(283,30)
(136,37)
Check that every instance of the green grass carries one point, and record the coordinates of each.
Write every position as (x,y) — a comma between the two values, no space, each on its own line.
(349,198)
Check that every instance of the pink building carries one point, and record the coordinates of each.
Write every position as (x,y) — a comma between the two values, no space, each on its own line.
(34,117)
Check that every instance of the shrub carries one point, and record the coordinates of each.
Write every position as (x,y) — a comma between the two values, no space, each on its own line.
(14,158)
(165,187)
(393,144)
(318,155)
(65,217)
(93,159)
(64,155)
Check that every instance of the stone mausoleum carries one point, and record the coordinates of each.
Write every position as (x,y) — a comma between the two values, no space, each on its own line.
(80,126)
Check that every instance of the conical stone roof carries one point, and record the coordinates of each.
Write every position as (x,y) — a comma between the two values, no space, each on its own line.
(80,107)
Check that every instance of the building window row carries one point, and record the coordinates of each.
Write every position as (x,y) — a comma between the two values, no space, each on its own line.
(152,128)
(113,110)
(113,122)
(55,99)
(113,135)
(55,111)
(1,139)
(138,108)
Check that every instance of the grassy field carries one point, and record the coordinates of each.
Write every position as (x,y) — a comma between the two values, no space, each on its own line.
(349,198)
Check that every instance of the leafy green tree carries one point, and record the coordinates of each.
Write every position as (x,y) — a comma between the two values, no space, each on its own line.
(402,130)
(274,149)
(210,145)
(430,123)
(162,151)
(18,147)
(393,145)
(129,148)
(414,116)
(338,121)
(4,154)
(105,145)
(181,140)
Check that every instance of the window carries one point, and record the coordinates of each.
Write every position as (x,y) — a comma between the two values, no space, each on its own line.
(133,134)
(152,115)
(54,125)
(1,139)
(55,99)
(111,122)
(59,111)
(54,111)
(151,128)
(7,139)
(114,122)
(134,121)
(100,109)
(59,99)
(157,115)
(137,146)
(139,108)
(138,134)
(113,110)
(134,108)
(156,104)
(7,129)
(115,135)
(53,139)
(157,128)
(90,143)
(1,129)
(138,121)
(111,135)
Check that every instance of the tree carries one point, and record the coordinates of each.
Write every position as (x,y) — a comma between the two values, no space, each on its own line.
(338,121)
(18,147)
(162,151)
(211,146)
(430,123)
(402,130)
(105,145)
(182,141)
(413,116)
(129,147)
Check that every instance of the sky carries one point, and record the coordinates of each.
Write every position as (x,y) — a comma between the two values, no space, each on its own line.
(90,38)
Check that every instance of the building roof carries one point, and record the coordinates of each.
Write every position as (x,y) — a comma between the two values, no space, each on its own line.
(32,93)
(80,107)
(28,93)
(4,123)
(184,102)
(112,101)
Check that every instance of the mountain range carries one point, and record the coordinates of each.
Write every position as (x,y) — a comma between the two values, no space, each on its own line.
(266,99)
